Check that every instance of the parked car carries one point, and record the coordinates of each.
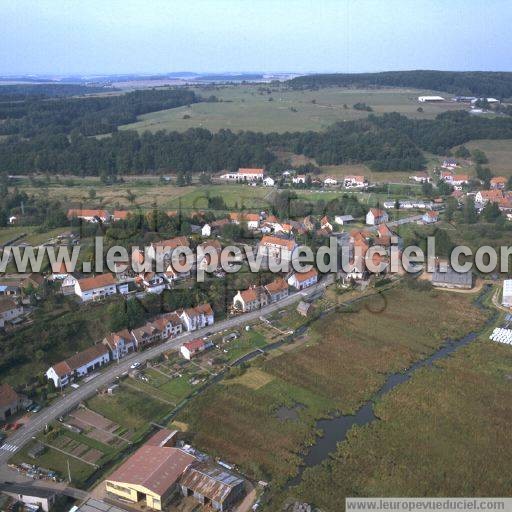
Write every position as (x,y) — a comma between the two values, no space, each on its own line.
(135,365)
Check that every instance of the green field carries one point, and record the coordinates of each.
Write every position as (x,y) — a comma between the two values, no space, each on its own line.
(245,108)
(499,153)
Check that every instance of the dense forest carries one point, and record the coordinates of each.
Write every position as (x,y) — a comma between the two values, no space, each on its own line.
(57,135)
(86,115)
(15,92)
(479,83)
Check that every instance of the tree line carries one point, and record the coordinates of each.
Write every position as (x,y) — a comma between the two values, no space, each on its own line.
(484,83)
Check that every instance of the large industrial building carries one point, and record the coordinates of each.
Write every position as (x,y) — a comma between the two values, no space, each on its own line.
(159,470)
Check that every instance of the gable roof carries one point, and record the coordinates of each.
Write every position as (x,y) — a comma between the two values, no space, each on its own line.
(7,304)
(194,345)
(275,240)
(153,467)
(121,214)
(99,281)
(86,356)
(76,212)
(304,276)
(276,286)
(377,212)
(213,482)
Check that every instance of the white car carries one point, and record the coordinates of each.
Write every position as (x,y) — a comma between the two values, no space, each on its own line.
(135,365)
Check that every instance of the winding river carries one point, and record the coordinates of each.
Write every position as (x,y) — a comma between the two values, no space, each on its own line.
(335,429)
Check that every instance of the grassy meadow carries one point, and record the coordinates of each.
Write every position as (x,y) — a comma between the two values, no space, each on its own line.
(443,433)
(342,362)
(245,107)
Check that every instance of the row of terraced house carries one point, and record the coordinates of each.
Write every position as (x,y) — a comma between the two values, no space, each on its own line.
(117,345)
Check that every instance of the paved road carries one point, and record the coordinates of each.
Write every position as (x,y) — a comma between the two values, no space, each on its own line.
(72,397)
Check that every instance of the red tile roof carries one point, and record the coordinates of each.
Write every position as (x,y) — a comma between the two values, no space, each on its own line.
(75,212)
(377,212)
(194,345)
(172,243)
(274,240)
(99,281)
(121,214)
(304,276)
(276,286)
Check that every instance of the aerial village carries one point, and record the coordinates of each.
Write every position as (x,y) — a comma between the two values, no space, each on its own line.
(187,348)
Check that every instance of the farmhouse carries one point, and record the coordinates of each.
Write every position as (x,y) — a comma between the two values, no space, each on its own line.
(277,248)
(277,290)
(251,299)
(198,317)
(507,293)
(452,279)
(78,365)
(119,343)
(190,349)
(120,215)
(449,163)
(421,177)
(245,174)
(89,215)
(10,402)
(485,196)
(498,182)
(301,280)
(9,311)
(330,181)
(376,216)
(252,219)
(430,217)
(355,182)
(268,181)
(95,288)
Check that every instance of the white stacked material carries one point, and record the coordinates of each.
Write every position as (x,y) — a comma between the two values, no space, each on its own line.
(501,335)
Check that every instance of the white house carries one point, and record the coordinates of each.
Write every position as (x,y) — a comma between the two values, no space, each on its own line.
(449,163)
(430,217)
(9,311)
(245,174)
(78,365)
(343,219)
(169,324)
(198,317)
(486,196)
(376,216)
(301,280)
(119,343)
(330,181)
(507,293)
(277,248)
(206,230)
(68,285)
(460,179)
(277,290)
(248,300)
(268,182)
(421,177)
(96,288)
(354,182)
(194,347)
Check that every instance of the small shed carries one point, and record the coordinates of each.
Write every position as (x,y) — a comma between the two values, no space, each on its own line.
(304,308)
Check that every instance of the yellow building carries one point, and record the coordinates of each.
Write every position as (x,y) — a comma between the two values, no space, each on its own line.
(150,475)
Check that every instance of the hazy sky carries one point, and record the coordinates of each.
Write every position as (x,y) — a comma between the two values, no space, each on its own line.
(124,36)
